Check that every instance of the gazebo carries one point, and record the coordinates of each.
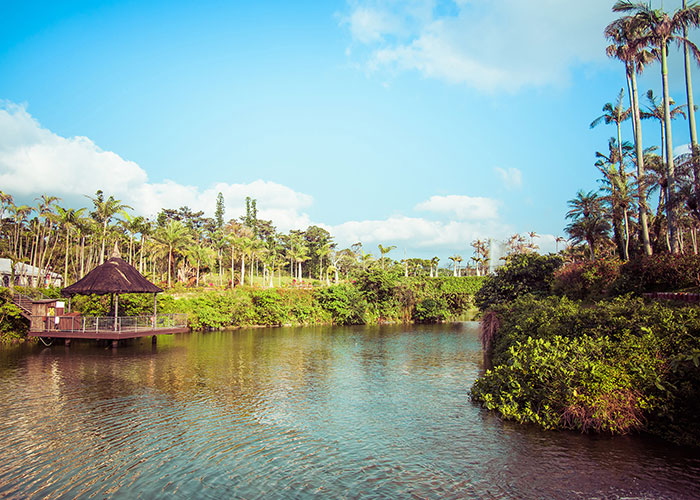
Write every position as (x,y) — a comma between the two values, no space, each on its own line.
(113,277)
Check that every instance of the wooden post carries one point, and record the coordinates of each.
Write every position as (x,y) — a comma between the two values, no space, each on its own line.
(115,343)
(155,309)
(116,311)
(67,342)
(153,340)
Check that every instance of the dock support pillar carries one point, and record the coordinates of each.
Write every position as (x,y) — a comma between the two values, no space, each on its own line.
(67,342)
(115,344)
(154,340)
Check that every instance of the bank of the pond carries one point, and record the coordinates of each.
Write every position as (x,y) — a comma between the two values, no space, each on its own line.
(373,297)
(617,365)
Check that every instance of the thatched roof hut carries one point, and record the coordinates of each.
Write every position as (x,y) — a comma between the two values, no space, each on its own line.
(114,276)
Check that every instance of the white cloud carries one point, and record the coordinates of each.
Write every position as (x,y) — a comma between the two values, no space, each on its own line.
(419,233)
(512,178)
(489,46)
(681,149)
(34,160)
(462,207)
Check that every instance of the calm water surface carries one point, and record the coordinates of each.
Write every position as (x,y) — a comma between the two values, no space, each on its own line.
(362,412)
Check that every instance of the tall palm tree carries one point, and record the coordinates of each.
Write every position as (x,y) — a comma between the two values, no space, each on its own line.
(68,219)
(104,211)
(627,46)
(587,221)
(615,113)
(659,30)
(691,116)
(655,111)
(175,236)
(615,156)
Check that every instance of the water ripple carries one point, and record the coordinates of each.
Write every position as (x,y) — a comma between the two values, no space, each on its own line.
(297,413)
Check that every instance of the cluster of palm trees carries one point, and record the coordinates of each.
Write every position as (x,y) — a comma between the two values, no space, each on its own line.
(631,173)
(181,246)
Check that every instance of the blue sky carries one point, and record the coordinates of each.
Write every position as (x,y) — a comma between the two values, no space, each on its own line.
(420,124)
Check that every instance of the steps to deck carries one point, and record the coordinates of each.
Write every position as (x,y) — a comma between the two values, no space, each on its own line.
(24,303)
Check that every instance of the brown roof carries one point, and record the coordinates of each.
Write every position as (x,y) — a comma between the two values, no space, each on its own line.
(114,276)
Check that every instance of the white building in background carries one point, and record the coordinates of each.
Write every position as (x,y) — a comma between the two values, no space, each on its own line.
(26,275)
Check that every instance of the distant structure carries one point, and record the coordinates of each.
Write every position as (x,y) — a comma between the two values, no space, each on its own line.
(26,275)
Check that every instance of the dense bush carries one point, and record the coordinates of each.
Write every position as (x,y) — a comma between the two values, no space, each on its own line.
(431,310)
(12,325)
(344,303)
(610,277)
(614,366)
(590,280)
(659,273)
(528,273)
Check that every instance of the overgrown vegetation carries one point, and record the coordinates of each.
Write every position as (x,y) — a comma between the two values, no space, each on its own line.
(376,296)
(616,365)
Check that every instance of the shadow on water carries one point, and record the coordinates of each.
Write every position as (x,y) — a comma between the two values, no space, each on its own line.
(341,412)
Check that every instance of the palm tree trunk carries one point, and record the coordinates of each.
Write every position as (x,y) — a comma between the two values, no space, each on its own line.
(65,265)
(170,253)
(670,170)
(641,184)
(691,122)
(232,267)
(104,237)
(242,268)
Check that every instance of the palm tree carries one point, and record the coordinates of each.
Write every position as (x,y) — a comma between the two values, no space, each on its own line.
(655,111)
(385,250)
(175,236)
(628,48)
(615,114)
(615,156)
(691,117)
(456,259)
(588,223)
(660,29)
(620,199)
(68,219)
(434,265)
(104,211)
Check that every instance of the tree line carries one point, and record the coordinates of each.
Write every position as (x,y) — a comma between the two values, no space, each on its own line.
(183,246)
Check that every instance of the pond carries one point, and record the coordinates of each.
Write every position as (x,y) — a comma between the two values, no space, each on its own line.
(356,412)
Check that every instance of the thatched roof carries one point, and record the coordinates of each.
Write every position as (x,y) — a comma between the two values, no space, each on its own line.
(114,276)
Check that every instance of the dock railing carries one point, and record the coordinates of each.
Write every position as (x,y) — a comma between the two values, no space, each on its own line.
(124,324)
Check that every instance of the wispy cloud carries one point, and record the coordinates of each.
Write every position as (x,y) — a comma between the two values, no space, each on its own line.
(489,46)
(512,178)
(462,207)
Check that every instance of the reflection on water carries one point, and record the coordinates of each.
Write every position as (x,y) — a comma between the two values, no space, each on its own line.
(297,413)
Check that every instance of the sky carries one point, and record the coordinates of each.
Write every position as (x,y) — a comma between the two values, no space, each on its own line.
(422,124)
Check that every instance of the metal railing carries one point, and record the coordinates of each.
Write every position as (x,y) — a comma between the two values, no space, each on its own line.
(97,324)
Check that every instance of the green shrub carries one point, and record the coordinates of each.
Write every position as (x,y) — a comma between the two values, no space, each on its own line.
(12,324)
(431,311)
(630,364)
(268,308)
(528,273)
(563,383)
(344,303)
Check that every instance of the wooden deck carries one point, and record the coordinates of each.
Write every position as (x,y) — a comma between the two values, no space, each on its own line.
(106,328)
